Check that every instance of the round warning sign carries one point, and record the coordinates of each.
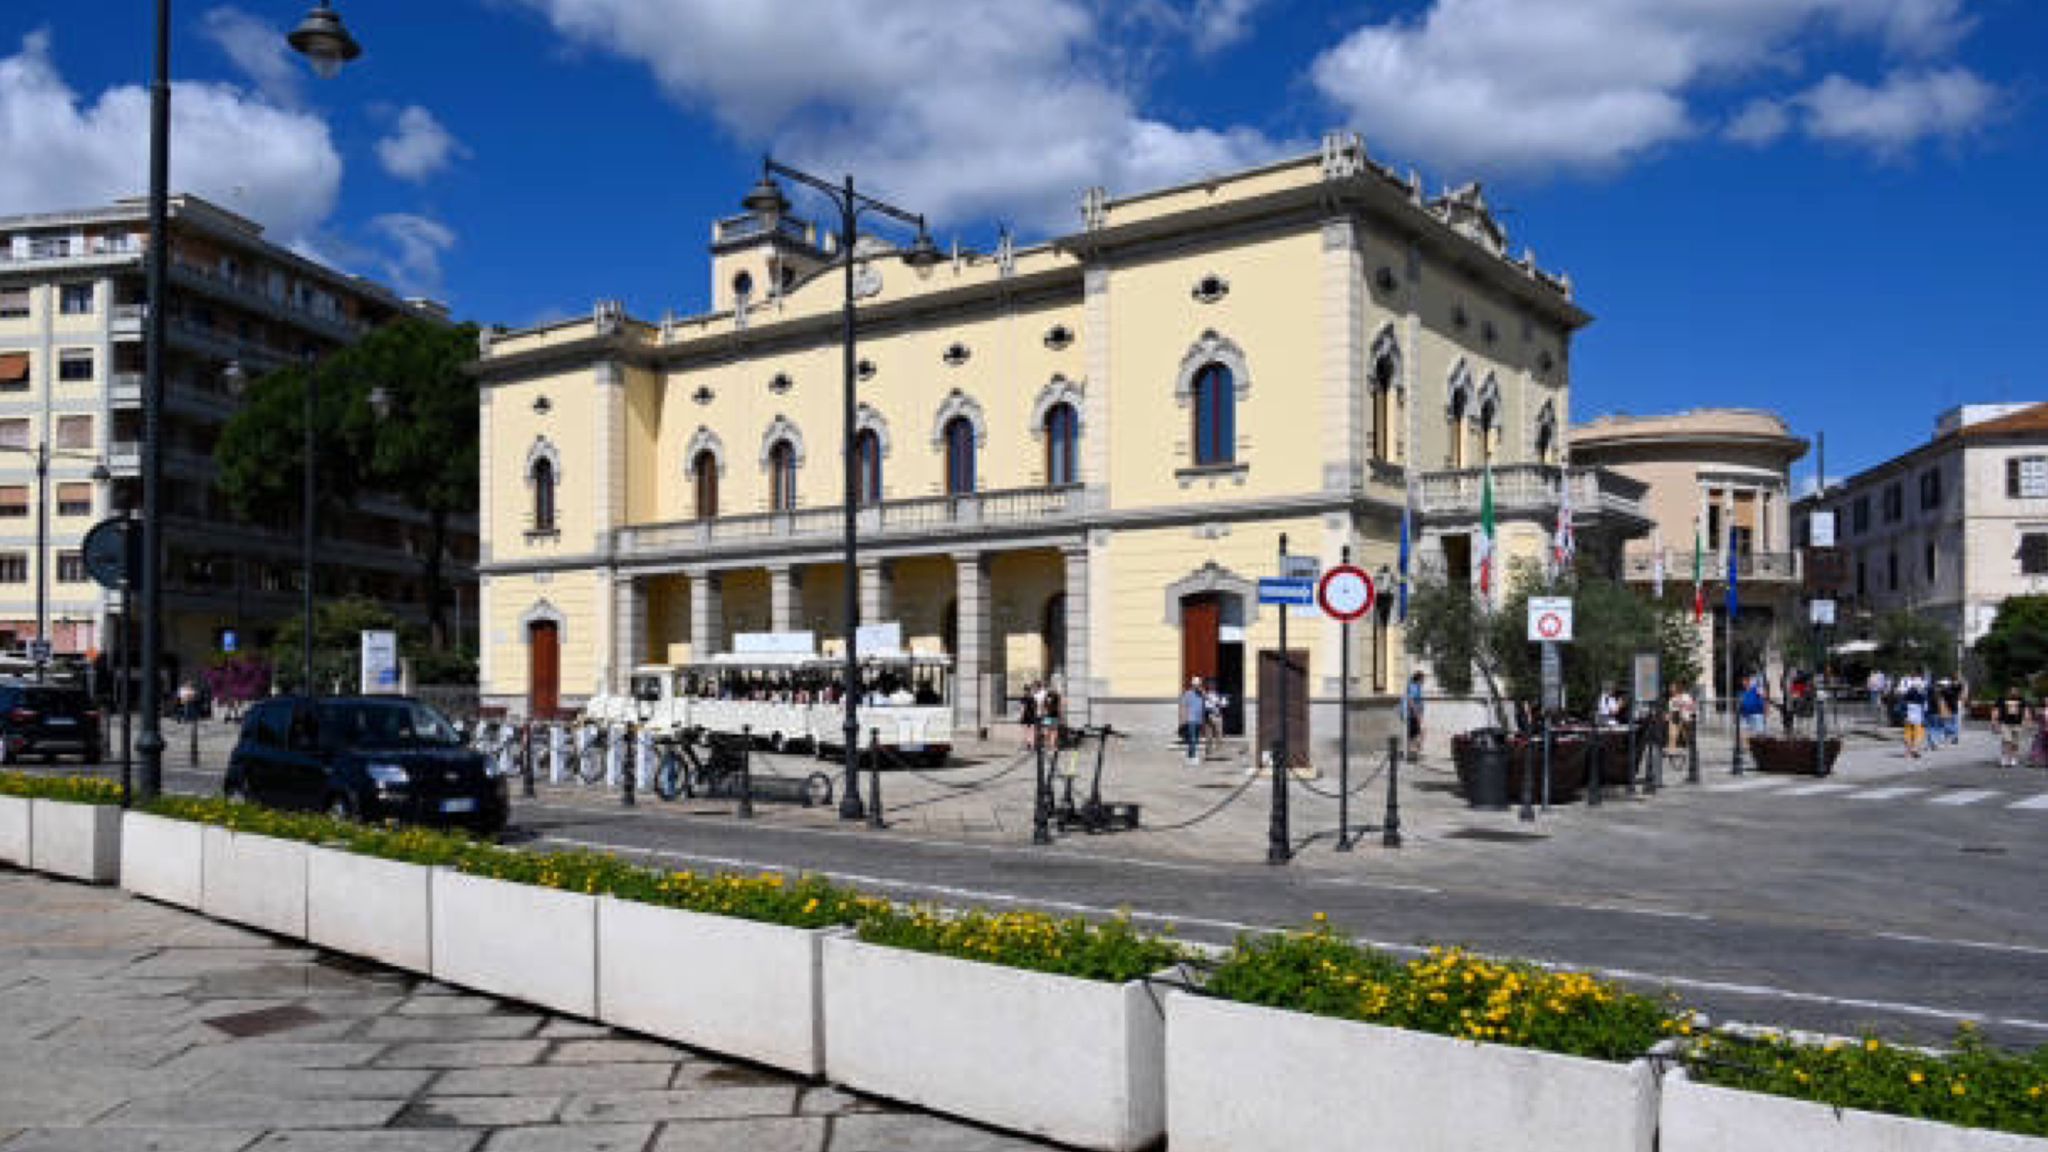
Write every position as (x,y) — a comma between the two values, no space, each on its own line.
(1345,592)
(1550,618)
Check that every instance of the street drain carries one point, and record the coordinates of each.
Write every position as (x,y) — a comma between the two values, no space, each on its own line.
(1494,836)
(1984,849)
(265,1021)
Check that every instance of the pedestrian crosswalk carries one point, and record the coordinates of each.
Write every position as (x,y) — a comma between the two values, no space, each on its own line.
(2020,800)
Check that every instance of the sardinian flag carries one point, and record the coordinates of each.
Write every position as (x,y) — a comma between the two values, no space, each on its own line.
(1566,546)
(1486,539)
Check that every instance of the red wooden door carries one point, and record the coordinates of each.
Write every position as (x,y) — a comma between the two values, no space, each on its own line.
(1201,628)
(543,669)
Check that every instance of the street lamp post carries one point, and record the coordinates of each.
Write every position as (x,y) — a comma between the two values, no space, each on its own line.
(766,197)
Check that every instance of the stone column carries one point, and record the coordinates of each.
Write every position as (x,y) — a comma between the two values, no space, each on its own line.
(877,592)
(781,599)
(629,624)
(1078,691)
(970,661)
(707,616)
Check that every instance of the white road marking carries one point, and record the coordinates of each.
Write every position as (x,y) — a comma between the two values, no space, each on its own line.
(1402,949)
(1817,789)
(2033,804)
(1891,793)
(1979,945)
(1966,796)
(1748,784)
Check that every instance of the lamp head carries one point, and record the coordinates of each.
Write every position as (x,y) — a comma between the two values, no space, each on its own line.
(381,402)
(100,473)
(324,41)
(922,253)
(765,198)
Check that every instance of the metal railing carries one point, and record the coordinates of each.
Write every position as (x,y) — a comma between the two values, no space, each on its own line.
(1762,566)
(1530,487)
(923,515)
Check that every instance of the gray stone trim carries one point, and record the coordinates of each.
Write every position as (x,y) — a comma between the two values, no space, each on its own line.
(1212,348)
(1458,386)
(781,428)
(1386,350)
(544,449)
(704,440)
(1059,390)
(1488,399)
(960,404)
(868,418)
(543,610)
(1212,577)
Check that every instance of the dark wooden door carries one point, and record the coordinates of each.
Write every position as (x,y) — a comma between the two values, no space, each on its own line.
(1297,703)
(1201,626)
(543,669)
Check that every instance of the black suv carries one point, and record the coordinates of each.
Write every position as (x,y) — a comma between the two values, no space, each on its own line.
(364,757)
(46,719)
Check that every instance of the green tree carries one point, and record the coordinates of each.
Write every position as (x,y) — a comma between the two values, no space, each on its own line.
(1912,641)
(1611,622)
(2015,650)
(424,447)
(338,626)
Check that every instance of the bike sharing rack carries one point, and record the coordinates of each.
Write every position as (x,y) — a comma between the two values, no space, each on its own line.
(725,771)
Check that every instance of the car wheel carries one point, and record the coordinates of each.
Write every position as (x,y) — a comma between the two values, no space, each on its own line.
(93,754)
(49,757)
(340,807)
(234,794)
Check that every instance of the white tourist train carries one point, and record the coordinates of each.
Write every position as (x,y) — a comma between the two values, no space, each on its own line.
(775,688)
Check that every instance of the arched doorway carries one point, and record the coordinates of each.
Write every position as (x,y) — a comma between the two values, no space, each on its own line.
(1212,648)
(543,669)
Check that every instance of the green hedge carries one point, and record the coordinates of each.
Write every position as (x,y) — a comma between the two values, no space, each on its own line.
(1112,951)
(70,789)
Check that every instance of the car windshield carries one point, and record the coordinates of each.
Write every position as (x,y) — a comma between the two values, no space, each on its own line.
(63,702)
(384,724)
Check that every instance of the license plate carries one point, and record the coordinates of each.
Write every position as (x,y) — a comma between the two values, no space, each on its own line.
(909,746)
(62,722)
(464,804)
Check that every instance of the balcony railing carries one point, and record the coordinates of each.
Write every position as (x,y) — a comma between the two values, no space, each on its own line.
(1762,567)
(125,388)
(749,225)
(925,516)
(1531,488)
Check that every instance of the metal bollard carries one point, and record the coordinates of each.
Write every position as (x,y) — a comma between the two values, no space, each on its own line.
(1391,836)
(526,773)
(629,767)
(1628,774)
(1041,806)
(1596,757)
(1653,779)
(1528,812)
(1692,752)
(746,809)
(875,779)
(193,717)
(557,753)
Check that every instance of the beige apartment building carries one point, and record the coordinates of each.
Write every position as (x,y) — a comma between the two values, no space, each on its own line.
(1076,458)
(71,378)
(1950,528)
(1723,475)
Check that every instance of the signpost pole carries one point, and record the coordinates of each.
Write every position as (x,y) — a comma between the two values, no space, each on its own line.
(1344,726)
(1277,850)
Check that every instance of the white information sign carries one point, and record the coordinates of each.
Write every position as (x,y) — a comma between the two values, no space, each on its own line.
(1550,618)
(885,639)
(775,643)
(380,663)
(1300,567)
(1821,527)
(1824,612)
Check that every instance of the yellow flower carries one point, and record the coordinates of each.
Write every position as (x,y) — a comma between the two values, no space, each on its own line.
(1871,1045)
(1915,1078)
(1322,918)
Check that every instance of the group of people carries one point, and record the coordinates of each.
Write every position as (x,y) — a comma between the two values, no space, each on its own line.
(1042,711)
(1932,712)
(1201,717)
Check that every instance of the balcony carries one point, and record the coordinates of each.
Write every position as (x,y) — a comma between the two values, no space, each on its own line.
(244,290)
(983,513)
(1750,567)
(127,320)
(124,457)
(124,389)
(1532,490)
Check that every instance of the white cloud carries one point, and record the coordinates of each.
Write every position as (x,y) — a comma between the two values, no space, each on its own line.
(58,151)
(970,108)
(1219,24)
(1526,86)
(418,146)
(413,262)
(259,50)
(1761,122)
(1906,109)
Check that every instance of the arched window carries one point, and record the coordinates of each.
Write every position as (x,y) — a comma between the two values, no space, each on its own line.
(543,495)
(1458,459)
(867,448)
(1546,443)
(959,456)
(782,477)
(1062,436)
(1488,425)
(1215,400)
(704,471)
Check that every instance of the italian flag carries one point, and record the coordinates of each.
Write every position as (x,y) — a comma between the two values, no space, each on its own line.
(1699,589)
(1486,532)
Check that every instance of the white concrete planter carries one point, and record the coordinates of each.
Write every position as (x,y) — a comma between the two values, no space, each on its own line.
(1704,1118)
(727,985)
(364,906)
(255,880)
(518,941)
(82,841)
(14,830)
(162,858)
(1241,1078)
(1076,1061)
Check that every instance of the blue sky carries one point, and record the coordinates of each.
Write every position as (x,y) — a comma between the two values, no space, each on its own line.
(1824,207)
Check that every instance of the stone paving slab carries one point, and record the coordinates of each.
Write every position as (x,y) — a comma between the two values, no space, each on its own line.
(131,1027)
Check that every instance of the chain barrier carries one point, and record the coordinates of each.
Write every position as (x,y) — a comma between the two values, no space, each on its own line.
(1310,787)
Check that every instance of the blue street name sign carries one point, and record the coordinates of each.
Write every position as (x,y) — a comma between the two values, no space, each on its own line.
(1283,590)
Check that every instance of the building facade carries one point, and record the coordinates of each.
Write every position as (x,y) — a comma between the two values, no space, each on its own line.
(71,378)
(1950,528)
(1075,459)
(1721,477)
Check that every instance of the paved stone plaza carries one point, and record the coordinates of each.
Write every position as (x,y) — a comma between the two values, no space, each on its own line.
(127,1026)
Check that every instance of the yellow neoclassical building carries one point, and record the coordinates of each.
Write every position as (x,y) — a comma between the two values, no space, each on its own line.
(1075,459)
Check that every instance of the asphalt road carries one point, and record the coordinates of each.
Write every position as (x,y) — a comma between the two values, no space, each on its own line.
(1903,898)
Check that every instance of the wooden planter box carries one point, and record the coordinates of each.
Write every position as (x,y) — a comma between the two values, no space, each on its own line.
(1792,756)
(1243,1078)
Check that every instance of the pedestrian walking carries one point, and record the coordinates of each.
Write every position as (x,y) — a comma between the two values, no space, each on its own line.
(1030,717)
(1609,713)
(1192,710)
(2012,721)
(1681,713)
(1212,717)
(1752,705)
(1916,718)
(1411,714)
(1952,701)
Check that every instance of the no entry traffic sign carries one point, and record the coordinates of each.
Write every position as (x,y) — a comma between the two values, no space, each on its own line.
(1345,592)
